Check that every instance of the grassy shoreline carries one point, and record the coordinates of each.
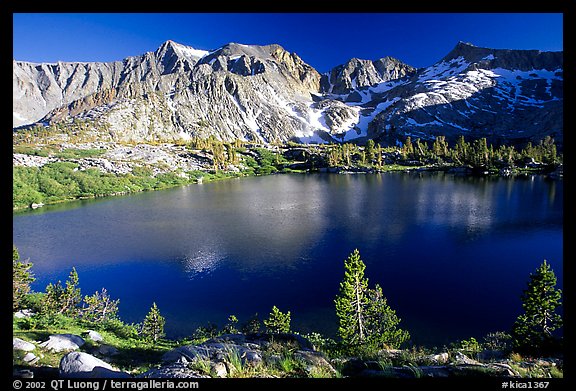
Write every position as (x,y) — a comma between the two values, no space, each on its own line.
(208,177)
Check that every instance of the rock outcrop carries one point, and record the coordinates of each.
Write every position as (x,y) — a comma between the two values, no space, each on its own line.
(84,365)
(19,344)
(357,73)
(63,342)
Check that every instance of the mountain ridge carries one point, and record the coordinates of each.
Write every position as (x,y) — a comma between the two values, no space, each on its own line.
(267,94)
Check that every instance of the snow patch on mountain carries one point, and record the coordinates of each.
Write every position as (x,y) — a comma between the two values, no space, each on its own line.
(444,69)
(188,51)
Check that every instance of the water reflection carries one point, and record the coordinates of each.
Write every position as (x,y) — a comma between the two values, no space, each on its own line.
(202,261)
(254,222)
(240,246)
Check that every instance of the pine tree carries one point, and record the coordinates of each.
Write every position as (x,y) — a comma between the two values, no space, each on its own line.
(366,321)
(63,300)
(352,301)
(100,307)
(370,151)
(382,322)
(277,322)
(21,279)
(533,329)
(153,325)
(72,294)
(407,149)
(379,156)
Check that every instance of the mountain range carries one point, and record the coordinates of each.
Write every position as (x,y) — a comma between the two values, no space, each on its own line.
(267,94)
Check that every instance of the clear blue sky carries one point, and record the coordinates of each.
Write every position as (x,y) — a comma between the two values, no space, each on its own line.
(322,40)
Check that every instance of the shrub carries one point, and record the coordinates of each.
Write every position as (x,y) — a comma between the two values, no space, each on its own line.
(278,322)
(21,279)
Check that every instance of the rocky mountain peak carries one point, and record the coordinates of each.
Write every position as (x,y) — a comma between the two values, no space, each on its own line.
(173,48)
(468,52)
(171,56)
(358,73)
(250,60)
(267,93)
(504,58)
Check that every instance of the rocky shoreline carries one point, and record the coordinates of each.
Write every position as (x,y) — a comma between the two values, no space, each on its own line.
(257,355)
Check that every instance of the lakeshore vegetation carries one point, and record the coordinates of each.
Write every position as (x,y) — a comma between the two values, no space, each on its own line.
(64,179)
(367,325)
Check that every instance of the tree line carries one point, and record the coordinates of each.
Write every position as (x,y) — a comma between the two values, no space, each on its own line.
(477,153)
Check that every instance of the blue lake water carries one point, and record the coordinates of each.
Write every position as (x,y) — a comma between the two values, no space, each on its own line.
(452,254)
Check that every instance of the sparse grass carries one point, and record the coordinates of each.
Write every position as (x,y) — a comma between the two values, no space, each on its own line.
(236,367)
(557,373)
(287,364)
(77,153)
(321,372)
(201,365)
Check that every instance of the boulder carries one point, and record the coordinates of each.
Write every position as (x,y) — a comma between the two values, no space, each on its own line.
(107,350)
(20,344)
(434,371)
(504,370)
(62,342)
(441,358)
(24,314)
(251,357)
(390,353)
(30,358)
(314,361)
(218,369)
(22,373)
(84,365)
(95,336)
(462,359)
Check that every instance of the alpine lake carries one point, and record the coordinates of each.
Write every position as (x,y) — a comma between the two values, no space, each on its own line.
(451,253)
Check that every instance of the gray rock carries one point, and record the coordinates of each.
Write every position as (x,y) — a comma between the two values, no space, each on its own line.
(251,357)
(30,358)
(107,350)
(462,359)
(176,370)
(26,313)
(390,353)
(62,342)
(19,344)
(218,369)
(265,93)
(94,336)
(435,371)
(504,369)
(84,365)
(441,358)
(23,373)
(313,361)
(358,73)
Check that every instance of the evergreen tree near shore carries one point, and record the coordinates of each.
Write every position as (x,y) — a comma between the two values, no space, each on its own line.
(100,307)
(532,331)
(21,279)
(63,299)
(366,321)
(153,325)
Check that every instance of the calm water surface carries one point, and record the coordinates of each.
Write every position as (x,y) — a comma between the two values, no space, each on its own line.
(451,254)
